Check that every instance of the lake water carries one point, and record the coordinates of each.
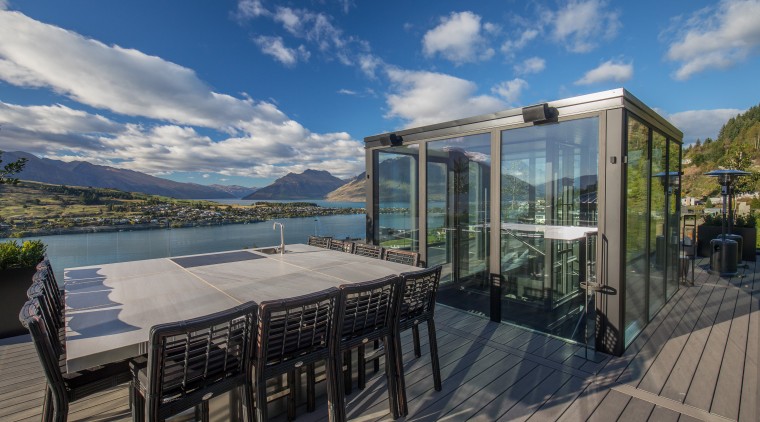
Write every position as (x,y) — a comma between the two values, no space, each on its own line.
(74,250)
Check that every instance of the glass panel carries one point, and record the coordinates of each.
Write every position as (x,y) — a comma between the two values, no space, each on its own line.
(548,189)
(397,193)
(458,187)
(636,262)
(674,213)
(658,249)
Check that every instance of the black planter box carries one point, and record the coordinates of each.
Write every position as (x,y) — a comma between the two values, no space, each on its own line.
(707,233)
(13,286)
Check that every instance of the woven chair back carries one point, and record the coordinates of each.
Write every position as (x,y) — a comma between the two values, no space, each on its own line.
(371,251)
(188,359)
(296,331)
(320,242)
(50,318)
(402,257)
(341,245)
(45,340)
(418,297)
(45,275)
(368,310)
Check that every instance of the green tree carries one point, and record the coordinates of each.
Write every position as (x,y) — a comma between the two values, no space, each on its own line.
(10,169)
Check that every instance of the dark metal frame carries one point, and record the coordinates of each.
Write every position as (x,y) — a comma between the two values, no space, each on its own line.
(611,108)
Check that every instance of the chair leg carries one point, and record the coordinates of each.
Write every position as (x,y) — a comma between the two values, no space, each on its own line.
(390,377)
(262,415)
(47,405)
(291,395)
(138,404)
(311,379)
(361,367)
(201,411)
(347,379)
(434,354)
(236,404)
(398,372)
(376,362)
(336,403)
(416,335)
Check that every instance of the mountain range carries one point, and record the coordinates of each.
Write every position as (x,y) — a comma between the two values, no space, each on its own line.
(311,184)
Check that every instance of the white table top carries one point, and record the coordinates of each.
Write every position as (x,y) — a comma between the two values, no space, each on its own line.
(110,308)
(552,232)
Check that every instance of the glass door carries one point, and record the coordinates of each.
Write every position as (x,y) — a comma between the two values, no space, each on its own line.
(397,195)
(458,188)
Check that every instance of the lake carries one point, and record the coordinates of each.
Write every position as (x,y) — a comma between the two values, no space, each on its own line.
(74,250)
(319,202)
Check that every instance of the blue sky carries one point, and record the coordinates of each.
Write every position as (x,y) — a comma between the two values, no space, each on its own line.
(243,92)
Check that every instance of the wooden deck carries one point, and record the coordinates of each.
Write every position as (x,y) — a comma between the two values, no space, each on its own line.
(698,360)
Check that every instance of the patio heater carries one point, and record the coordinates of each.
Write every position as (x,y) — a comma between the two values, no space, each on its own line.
(724,251)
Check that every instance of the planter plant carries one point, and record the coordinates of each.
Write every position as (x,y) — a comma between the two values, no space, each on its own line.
(17,267)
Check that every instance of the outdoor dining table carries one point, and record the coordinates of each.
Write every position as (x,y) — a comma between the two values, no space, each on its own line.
(111,308)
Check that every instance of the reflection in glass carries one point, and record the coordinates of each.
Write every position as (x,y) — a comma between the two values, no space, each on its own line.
(548,180)
(657,242)
(674,213)
(636,262)
(397,193)
(458,188)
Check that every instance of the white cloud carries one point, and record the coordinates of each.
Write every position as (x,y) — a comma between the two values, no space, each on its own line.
(250,9)
(421,98)
(368,64)
(702,124)
(289,19)
(581,24)
(609,71)
(275,47)
(3,4)
(510,90)
(511,46)
(344,91)
(716,38)
(530,65)
(261,140)
(122,80)
(458,38)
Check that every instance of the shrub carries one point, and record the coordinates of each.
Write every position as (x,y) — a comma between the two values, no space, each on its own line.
(26,255)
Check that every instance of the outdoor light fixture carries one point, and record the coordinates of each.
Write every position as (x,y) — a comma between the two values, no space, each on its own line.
(540,113)
(396,140)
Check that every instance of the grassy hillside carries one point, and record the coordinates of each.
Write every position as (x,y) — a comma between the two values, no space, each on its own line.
(737,147)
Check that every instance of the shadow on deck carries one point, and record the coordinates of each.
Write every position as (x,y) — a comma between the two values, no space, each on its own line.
(697,360)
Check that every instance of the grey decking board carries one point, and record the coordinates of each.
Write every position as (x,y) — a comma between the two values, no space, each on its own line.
(682,374)
(537,397)
(662,366)
(637,410)
(661,414)
(700,394)
(727,391)
(505,393)
(585,404)
(610,408)
(470,397)
(749,407)
(560,400)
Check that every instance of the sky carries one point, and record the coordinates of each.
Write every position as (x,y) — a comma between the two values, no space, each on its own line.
(243,92)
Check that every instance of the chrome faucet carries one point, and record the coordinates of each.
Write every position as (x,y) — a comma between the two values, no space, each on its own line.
(282,235)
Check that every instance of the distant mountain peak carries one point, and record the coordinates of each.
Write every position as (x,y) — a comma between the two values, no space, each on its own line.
(311,184)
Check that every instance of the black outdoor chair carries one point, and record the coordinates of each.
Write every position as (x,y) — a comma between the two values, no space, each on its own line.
(52,317)
(62,387)
(341,245)
(55,295)
(371,251)
(318,241)
(419,289)
(296,333)
(402,257)
(191,361)
(369,312)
